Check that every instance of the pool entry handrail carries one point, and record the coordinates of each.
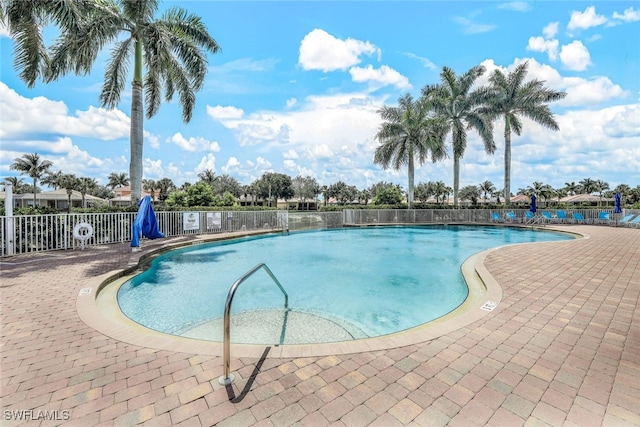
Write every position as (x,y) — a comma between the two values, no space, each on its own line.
(227,378)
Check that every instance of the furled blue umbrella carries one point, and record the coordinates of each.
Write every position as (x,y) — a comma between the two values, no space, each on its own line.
(533,207)
(617,208)
(145,223)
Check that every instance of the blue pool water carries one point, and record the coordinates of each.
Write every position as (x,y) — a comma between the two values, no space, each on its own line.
(372,281)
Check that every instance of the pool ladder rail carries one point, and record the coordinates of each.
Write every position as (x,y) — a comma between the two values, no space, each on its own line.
(227,377)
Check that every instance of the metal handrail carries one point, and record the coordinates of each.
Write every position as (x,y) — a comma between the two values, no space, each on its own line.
(227,378)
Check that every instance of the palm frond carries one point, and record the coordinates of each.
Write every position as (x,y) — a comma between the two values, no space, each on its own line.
(116,73)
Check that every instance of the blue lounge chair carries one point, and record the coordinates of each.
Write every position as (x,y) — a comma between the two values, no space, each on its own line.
(578,218)
(635,222)
(495,217)
(603,218)
(511,217)
(529,216)
(546,216)
(562,216)
(625,219)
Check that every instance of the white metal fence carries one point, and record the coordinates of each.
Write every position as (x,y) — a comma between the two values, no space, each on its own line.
(34,233)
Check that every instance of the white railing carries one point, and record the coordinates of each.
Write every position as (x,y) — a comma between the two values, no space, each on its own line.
(35,233)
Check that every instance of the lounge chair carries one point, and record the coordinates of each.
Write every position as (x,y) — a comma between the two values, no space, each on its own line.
(625,219)
(495,217)
(562,216)
(529,216)
(546,216)
(511,217)
(603,218)
(635,222)
(578,218)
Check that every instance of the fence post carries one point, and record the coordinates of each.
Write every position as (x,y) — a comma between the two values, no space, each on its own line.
(9,228)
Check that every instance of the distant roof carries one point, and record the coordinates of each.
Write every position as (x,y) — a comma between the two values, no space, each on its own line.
(578,198)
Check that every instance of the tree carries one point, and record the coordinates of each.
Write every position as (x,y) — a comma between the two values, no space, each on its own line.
(19,187)
(342,192)
(208,176)
(571,187)
(165,186)
(70,183)
(33,166)
(227,184)
(512,98)
(25,21)
(116,180)
(409,131)
(587,186)
(274,185)
(601,187)
(305,188)
(200,194)
(171,50)
(487,188)
(387,196)
(150,186)
(460,109)
(471,193)
(424,191)
(85,185)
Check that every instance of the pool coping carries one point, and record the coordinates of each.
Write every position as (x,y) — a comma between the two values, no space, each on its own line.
(104,315)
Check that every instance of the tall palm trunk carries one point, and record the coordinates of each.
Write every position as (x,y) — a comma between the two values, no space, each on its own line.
(456,178)
(411,172)
(507,161)
(35,181)
(137,115)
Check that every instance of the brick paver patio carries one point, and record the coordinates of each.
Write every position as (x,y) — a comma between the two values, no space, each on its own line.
(561,349)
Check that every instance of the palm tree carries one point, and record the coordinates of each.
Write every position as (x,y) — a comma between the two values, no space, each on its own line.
(512,98)
(33,166)
(164,187)
(25,21)
(117,180)
(171,49)
(86,185)
(16,183)
(487,188)
(150,186)
(600,187)
(409,131)
(571,188)
(453,100)
(69,182)
(208,176)
(587,186)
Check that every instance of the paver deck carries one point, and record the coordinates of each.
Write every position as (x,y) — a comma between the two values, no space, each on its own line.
(561,349)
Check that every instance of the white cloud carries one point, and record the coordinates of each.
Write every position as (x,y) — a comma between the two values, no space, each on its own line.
(587,19)
(471,27)
(219,112)
(426,62)
(550,30)
(320,50)
(291,102)
(518,6)
(580,91)
(539,44)
(194,144)
(22,116)
(232,165)
(207,162)
(379,77)
(290,154)
(629,15)
(575,56)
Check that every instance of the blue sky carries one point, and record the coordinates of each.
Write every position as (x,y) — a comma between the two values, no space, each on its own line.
(297,86)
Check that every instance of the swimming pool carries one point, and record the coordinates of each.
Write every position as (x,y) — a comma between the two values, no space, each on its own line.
(342,284)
